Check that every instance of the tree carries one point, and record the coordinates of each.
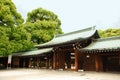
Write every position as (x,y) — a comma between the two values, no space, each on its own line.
(43,25)
(4,41)
(16,36)
(20,37)
(8,15)
(109,32)
(13,37)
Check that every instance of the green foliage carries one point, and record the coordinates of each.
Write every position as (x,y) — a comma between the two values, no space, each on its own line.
(20,37)
(4,41)
(41,31)
(14,40)
(13,37)
(109,33)
(8,15)
(42,25)
(42,14)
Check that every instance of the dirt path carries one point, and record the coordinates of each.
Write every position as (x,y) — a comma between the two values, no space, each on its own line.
(42,74)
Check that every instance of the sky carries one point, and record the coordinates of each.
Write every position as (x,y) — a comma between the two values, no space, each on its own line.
(77,14)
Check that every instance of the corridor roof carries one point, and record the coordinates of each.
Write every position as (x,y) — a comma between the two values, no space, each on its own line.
(34,52)
(111,43)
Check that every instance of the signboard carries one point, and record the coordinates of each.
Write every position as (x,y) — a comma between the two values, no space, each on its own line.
(9,59)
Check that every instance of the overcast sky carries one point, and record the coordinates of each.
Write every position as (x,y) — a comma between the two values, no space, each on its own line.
(77,14)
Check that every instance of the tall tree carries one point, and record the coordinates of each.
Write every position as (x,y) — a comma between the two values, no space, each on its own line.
(8,15)
(13,37)
(43,25)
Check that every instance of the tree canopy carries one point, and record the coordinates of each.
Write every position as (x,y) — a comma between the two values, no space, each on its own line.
(40,26)
(13,38)
(109,32)
(43,25)
(8,15)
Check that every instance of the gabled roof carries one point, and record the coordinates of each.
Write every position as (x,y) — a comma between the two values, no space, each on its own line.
(35,52)
(71,37)
(111,43)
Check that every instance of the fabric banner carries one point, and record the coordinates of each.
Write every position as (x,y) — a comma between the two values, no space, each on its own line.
(9,59)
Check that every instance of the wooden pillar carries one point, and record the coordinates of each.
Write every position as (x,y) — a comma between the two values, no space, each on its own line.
(61,60)
(51,62)
(54,60)
(30,62)
(76,59)
(47,63)
(98,63)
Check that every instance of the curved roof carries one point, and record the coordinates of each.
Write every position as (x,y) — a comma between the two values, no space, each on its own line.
(70,37)
(111,43)
(34,52)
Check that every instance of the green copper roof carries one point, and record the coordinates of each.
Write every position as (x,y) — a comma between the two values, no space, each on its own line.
(104,44)
(35,52)
(69,37)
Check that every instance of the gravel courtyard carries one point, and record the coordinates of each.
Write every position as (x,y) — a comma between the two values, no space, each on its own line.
(43,74)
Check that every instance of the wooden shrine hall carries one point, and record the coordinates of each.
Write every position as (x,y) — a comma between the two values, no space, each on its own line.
(78,50)
(65,51)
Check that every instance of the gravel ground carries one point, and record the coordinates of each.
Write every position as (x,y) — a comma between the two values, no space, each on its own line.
(43,74)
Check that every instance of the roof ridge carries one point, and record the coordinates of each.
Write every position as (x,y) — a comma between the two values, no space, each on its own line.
(107,38)
(82,30)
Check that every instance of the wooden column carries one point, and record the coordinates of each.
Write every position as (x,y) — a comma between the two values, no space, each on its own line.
(76,59)
(30,64)
(61,60)
(51,62)
(54,60)
(98,63)
(47,63)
